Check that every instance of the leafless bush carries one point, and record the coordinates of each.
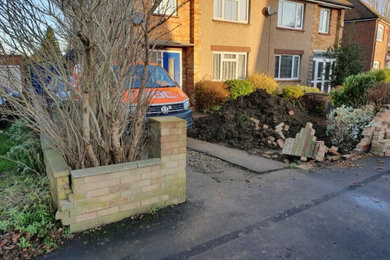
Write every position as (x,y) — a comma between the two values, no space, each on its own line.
(89,123)
(379,94)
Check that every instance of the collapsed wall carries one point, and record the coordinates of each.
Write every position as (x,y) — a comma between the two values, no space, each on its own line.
(377,135)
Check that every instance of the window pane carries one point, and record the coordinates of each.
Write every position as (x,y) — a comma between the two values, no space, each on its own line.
(243,11)
(326,17)
(327,70)
(218,8)
(299,16)
(229,56)
(296,67)
(241,66)
(321,29)
(320,70)
(286,66)
(229,70)
(280,13)
(171,6)
(216,66)
(288,19)
(231,10)
(277,63)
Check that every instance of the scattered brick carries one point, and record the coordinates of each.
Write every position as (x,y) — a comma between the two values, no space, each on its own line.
(304,145)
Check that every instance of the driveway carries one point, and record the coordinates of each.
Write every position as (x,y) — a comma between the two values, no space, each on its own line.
(232,213)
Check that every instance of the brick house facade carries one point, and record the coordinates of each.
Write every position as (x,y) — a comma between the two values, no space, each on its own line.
(370,30)
(217,43)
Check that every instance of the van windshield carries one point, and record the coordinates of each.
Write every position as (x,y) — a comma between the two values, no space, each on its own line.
(157,77)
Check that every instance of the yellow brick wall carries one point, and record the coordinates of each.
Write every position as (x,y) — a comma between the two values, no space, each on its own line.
(107,194)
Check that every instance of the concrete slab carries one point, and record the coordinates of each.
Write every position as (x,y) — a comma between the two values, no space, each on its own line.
(240,158)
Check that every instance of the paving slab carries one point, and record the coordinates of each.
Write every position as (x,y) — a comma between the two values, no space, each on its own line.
(240,158)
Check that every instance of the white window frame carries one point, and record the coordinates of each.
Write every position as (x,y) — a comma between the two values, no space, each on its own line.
(224,59)
(280,15)
(323,10)
(380,33)
(376,65)
(292,67)
(162,8)
(239,20)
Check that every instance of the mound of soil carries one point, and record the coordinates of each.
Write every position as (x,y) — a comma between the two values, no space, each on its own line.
(234,124)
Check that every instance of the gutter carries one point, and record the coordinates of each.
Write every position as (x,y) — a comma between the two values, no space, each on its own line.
(365,20)
(331,5)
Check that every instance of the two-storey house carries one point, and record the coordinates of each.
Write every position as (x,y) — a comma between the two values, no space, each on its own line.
(364,25)
(232,39)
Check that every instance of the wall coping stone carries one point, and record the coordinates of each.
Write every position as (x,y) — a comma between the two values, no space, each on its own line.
(57,163)
(167,119)
(81,173)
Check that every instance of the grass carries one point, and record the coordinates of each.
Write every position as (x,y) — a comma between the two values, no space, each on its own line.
(27,224)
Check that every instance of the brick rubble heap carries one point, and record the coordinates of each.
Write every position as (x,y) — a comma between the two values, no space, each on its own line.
(377,135)
(305,145)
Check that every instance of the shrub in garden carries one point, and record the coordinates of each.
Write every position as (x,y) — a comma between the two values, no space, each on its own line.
(239,88)
(209,94)
(349,60)
(297,91)
(353,92)
(26,152)
(27,224)
(264,82)
(379,94)
(346,124)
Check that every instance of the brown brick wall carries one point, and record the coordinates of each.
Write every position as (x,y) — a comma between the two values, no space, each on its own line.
(381,47)
(177,28)
(321,41)
(364,33)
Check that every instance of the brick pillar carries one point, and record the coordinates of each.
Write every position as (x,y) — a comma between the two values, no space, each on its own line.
(169,142)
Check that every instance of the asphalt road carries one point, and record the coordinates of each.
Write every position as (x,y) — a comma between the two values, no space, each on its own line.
(336,213)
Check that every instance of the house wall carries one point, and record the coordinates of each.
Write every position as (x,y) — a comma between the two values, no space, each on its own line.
(322,41)
(363,33)
(381,47)
(179,28)
(261,39)
(87,198)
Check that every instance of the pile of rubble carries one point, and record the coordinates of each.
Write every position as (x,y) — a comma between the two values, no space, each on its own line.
(377,135)
(305,145)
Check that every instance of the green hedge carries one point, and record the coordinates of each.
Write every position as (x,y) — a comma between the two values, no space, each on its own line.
(353,91)
(239,88)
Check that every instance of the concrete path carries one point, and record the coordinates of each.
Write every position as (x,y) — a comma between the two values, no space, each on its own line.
(240,158)
(336,213)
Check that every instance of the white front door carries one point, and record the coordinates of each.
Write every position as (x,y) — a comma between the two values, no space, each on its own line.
(322,70)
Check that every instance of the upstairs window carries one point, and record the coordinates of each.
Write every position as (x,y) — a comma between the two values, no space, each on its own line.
(287,67)
(290,15)
(379,36)
(231,10)
(166,7)
(229,65)
(324,21)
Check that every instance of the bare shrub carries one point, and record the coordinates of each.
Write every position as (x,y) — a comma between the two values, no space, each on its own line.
(210,93)
(90,122)
(379,94)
